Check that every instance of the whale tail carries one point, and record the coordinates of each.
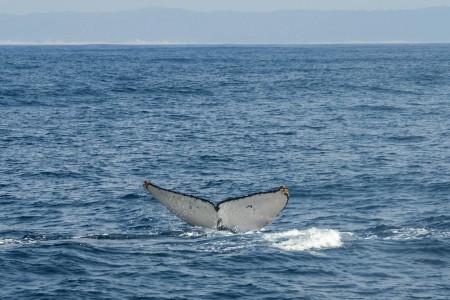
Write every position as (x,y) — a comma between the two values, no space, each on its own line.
(241,214)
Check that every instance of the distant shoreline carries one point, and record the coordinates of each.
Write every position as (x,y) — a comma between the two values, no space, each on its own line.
(182,27)
(7,44)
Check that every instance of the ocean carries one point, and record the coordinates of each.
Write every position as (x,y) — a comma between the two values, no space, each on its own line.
(360,134)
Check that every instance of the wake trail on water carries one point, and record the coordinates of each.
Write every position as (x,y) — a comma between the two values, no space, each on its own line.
(311,239)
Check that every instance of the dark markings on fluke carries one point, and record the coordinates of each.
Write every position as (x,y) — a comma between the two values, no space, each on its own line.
(241,214)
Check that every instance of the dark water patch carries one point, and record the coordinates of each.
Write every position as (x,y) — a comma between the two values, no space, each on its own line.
(13,92)
(439,187)
(313,127)
(24,67)
(377,108)
(406,139)
(285,133)
(372,207)
(131,196)
(437,222)
(56,174)
(30,218)
(177,60)
(124,89)
(214,158)
(394,91)
(176,90)
(438,263)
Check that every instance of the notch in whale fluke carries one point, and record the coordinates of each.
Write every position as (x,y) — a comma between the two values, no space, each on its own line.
(241,214)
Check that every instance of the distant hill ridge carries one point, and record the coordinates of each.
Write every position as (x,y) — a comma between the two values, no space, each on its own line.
(163,25)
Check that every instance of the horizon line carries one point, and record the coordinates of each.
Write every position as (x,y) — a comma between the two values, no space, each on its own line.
(169,44)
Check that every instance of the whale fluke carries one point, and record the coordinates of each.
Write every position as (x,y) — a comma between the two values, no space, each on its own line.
(241,214)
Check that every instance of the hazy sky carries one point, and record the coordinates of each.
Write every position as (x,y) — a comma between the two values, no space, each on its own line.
(31,6)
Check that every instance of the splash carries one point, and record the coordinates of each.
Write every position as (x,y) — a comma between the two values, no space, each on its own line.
(304,240)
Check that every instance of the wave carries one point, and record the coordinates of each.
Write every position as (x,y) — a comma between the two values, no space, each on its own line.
(305,240)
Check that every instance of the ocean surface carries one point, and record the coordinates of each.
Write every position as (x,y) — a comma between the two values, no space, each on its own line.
(360,134)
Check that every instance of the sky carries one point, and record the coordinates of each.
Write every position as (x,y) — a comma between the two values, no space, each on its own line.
(94,6)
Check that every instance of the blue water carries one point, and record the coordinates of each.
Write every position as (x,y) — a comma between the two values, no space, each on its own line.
(360,134)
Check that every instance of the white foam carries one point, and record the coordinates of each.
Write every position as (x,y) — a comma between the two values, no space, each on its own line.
(225,246)
(201,232)
(408,234)
(304,240)
(8,241)
(15,242)
(444,234)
